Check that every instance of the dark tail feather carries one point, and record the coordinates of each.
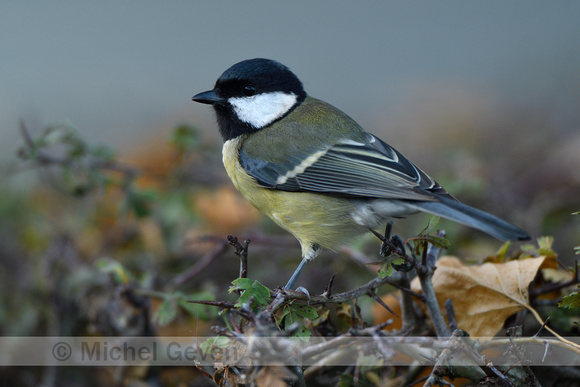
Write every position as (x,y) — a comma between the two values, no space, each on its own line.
(472,217)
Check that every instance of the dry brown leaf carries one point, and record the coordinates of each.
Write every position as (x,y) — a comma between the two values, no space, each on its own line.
(272,376)
(484,296)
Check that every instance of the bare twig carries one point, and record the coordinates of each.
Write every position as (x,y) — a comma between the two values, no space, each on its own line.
(490,370)
(372,293)
(348,295)
(529,340)
(474,373)
(328,290)
(439,324)
(450,313)
(221,304)
(523,370)
(242,252)
(407,311)
(279,299)
(281,295)
(425,278)
(542,327)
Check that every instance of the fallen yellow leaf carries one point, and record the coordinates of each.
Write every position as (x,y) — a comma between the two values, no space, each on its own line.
(484,296)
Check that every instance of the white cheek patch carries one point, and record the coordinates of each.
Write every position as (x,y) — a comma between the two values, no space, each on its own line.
(263,109)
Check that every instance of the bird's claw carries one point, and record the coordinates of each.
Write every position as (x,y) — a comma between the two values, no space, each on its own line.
(302,289)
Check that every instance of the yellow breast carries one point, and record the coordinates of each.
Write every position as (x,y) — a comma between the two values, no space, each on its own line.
(312,218)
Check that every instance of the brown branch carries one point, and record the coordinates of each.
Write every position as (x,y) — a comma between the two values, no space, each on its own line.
(407,311)
(279,299)
(221,304)
(372,293)
(348,295)
(425,278)
(523,370)
(450,313)
(474,373)
(328,290)
(242,252)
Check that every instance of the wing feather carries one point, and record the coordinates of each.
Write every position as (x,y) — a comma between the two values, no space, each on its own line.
(348,168)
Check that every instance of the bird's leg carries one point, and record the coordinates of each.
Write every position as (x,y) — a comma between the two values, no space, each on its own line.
(387,250)
(309,252)
(292,280)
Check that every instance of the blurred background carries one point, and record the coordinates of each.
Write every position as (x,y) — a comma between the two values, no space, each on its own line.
(484,96)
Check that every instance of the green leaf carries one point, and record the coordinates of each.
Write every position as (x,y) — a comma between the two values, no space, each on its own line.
(431,225)
(386,270)
(346,380)
(303,334)
(502,252)
(571,301)
(295,314)
(545,245)
(291,318)
(251,289)
(442,243)
(215,342)
(140,202)
(120,275)
(528,251)
(306,311)
(281,314)
(419,243)
(241,284)
(167,311)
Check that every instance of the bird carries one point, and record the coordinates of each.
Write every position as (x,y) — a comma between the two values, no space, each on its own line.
(314,170)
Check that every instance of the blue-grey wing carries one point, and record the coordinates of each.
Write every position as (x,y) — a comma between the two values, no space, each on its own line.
(371,169)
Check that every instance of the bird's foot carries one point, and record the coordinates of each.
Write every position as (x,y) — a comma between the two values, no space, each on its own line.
(388,249)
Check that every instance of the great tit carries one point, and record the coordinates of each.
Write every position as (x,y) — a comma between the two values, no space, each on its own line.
(314,171)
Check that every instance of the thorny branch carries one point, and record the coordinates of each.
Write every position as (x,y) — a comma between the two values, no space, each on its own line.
(327,352)
(425,278)
(441,367)
(338,298)
(448,346)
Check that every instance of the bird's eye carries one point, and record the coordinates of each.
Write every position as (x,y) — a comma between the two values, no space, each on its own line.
(249,90)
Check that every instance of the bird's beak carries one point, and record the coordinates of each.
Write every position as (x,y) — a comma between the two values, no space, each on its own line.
(210,97)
